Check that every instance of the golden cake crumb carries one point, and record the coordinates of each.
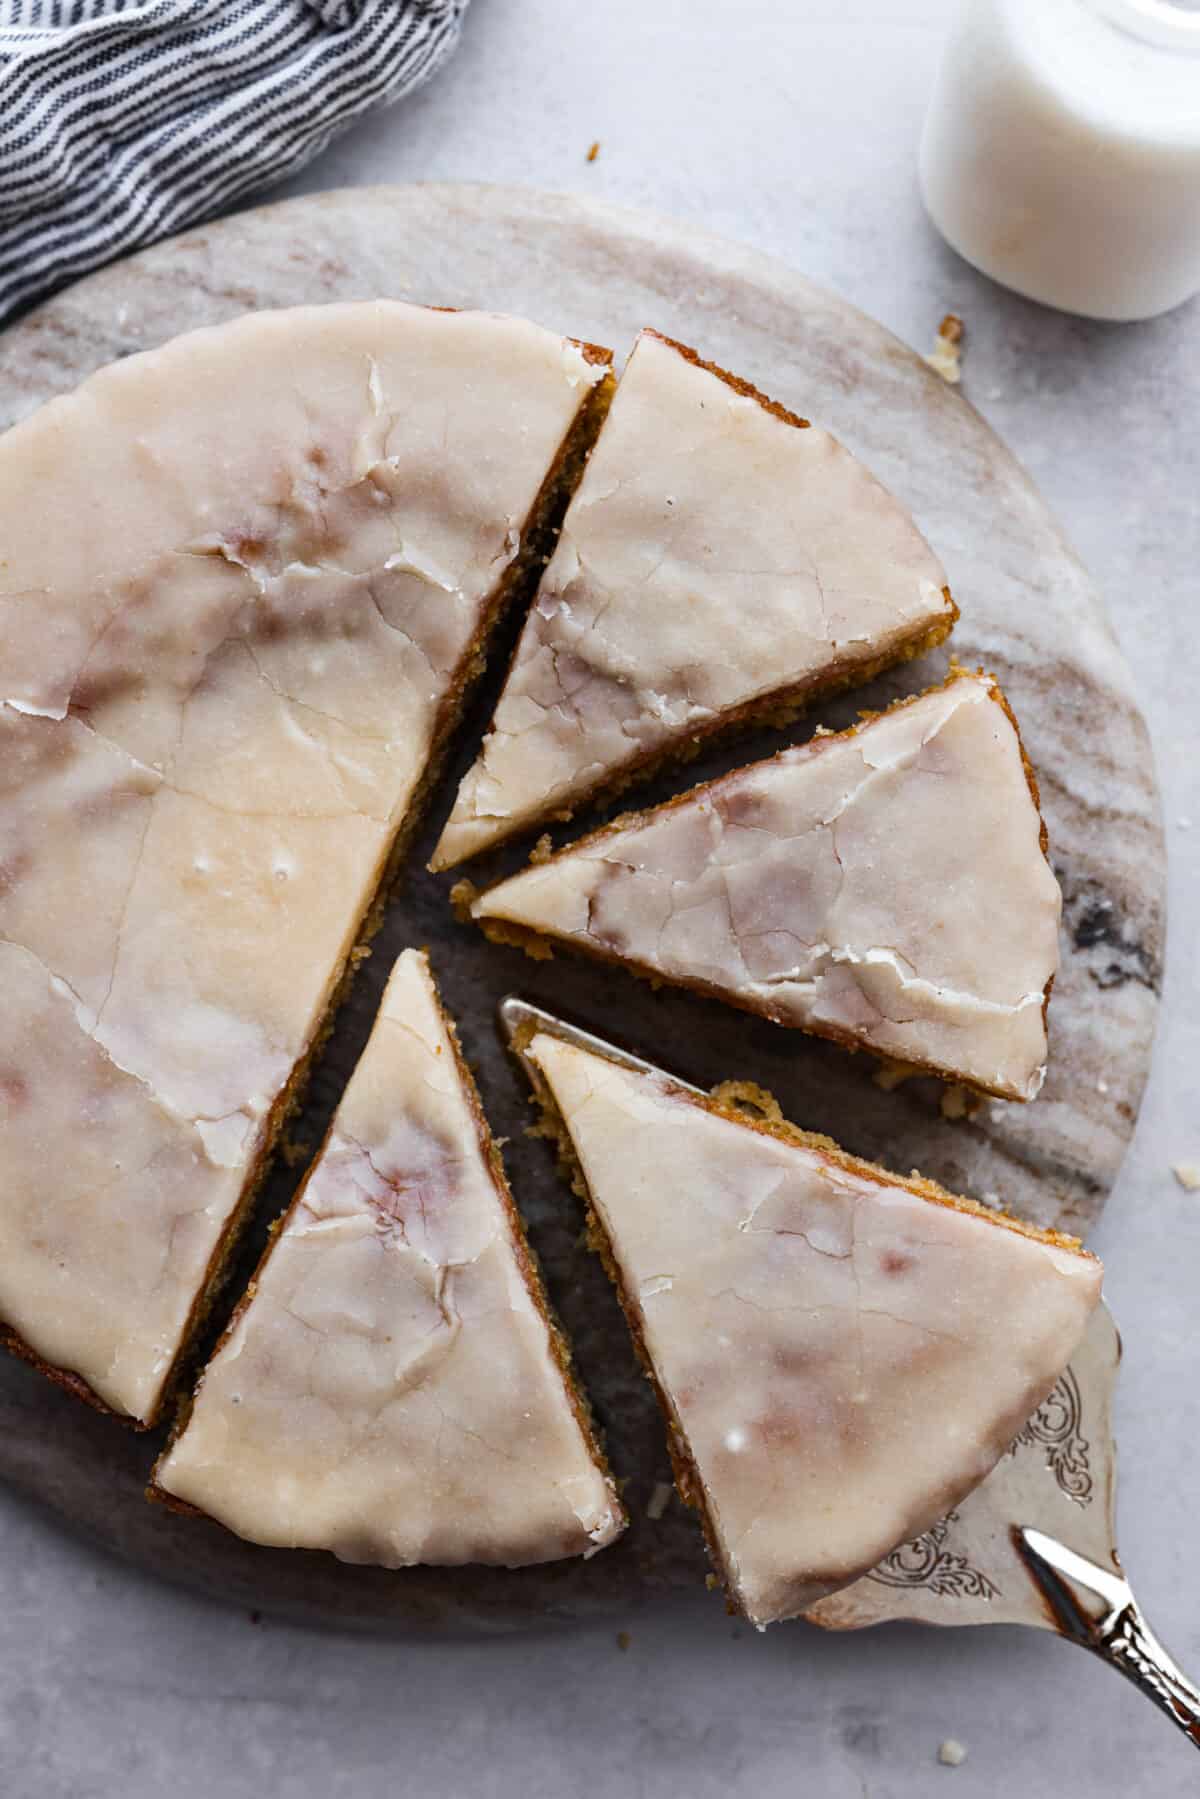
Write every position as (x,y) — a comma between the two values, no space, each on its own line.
(890,1074)
(463,895)
(951,1753)
(1187,1174)
(594,152)
(960,1102)
(946,355)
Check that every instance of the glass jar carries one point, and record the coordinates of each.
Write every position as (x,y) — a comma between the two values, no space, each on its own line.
(1061,151)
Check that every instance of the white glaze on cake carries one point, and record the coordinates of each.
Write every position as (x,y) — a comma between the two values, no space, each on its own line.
(389,1391)
(843,1359)
(714,554)
(238,578)
(887,887)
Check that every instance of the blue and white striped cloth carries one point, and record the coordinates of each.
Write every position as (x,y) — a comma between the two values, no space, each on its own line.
(124,120)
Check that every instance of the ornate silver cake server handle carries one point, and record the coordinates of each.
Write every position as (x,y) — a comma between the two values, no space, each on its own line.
(1096,1609)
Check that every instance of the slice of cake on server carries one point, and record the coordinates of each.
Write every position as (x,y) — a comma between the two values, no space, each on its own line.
(392,1388)
(886,887)
(841,1354)
(721,560)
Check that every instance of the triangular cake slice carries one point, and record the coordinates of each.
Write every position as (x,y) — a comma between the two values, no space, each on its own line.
(887,887)
(392,1389)
(721,560)
(245,580)
(841,1354)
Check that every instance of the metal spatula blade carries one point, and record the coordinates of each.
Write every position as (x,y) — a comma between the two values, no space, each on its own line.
(1058,1478)
(1035,1543)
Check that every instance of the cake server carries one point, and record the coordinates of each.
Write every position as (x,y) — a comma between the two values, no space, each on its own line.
(1035,1542)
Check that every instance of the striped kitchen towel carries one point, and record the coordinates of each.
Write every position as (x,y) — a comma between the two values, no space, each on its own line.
(123,120)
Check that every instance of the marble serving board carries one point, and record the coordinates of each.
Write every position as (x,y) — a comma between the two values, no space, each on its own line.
(1029,614)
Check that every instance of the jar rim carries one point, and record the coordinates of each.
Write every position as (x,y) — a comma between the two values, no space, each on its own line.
(1157,22)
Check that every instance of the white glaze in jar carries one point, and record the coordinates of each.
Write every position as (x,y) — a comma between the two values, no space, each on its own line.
(1061,152)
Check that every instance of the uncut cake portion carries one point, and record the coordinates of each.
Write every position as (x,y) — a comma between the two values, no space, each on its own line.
(244,581)
(887,887)
(721,560)
(391,1388)
(840,1354)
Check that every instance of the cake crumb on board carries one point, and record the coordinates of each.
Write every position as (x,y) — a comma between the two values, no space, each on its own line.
(623,1640)
(946,356)
(951,1753)
(960,1102)
(594,150)
(1187,1174)
(890,1074)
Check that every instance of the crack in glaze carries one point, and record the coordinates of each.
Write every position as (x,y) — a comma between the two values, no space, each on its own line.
(84,1017)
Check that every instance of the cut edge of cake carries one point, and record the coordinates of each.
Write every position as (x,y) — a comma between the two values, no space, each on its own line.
(740,1102)
(777,709)
(512,592)
(539,945)
(524,1254)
